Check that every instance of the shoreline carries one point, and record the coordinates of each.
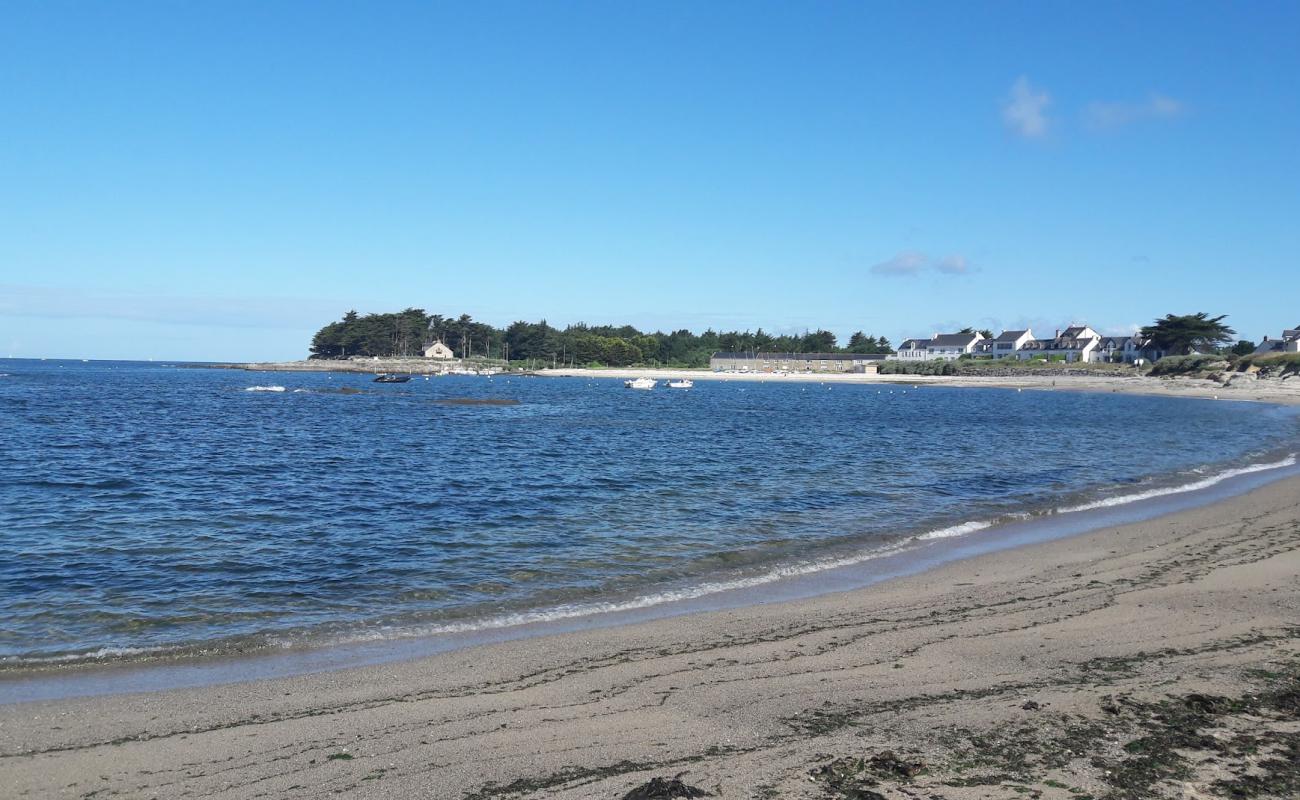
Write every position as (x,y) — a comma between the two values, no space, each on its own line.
(756,699)
(1279,391)
(204,664)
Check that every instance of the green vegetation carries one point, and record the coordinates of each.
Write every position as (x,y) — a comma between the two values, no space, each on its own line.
(1181,335)
(1030,366)
(407,333)
(1217,365)
(1187,365)
(1271,364)
(935,367)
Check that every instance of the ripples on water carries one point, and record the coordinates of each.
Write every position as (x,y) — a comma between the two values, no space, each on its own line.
(149,507)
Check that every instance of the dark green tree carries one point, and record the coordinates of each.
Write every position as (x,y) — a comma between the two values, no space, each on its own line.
(819,341)
(1181,334)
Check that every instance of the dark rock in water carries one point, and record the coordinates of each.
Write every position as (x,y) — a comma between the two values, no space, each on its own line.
(476,401)
(664,789)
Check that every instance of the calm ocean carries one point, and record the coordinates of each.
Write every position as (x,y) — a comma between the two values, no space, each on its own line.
(148,508)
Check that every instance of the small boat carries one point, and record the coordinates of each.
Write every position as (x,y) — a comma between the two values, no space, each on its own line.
(385,378)
(681,383)
(641,383)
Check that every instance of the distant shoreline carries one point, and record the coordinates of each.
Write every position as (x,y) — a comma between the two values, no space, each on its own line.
(1286,392)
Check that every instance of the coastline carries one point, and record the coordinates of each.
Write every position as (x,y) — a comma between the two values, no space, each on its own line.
(746,700)
(1283,392)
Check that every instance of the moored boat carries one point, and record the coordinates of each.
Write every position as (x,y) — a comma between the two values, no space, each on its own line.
(641,383)
(681,383)
(386,378)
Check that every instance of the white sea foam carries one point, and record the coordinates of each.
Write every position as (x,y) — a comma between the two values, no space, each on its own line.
(558,613)
(94,655)
(955,530)
(264,389)
(1203,483)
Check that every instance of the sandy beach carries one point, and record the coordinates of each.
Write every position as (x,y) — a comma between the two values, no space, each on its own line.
(1155,659)
(1242,387)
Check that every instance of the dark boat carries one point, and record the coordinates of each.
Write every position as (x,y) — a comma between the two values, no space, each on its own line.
(392,378)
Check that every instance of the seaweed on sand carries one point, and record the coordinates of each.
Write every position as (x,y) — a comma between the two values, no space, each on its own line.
(665,789)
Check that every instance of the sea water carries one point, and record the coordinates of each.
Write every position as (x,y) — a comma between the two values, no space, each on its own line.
(151,509)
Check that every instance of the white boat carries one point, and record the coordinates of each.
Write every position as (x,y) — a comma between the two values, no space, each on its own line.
(681,383)
(641,383)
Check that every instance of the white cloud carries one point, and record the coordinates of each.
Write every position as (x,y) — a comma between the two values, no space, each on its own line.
(953,265)
(910,264)
(905,263)
(1120,330)
(1108,116)
(1024,110)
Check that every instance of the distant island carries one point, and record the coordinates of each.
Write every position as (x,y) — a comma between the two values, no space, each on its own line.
(408,333)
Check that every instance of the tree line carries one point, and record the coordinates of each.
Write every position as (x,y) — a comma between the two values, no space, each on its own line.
(407,333)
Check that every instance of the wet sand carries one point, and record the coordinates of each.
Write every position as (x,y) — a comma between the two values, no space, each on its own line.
(1160,658)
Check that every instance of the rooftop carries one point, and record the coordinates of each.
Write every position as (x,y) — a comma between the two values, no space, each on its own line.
(954,339)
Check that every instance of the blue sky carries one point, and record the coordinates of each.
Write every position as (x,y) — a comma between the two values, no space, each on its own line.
(217,181)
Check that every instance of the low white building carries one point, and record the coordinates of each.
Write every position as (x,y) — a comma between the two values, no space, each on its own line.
(912,350)
(1075,343)
(438,350)
(1114,348)
(944,346)
(1005,344)
(723,361)
(1289,343)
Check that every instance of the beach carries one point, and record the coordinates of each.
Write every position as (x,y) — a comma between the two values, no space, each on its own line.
(1154,659)
(1241,387)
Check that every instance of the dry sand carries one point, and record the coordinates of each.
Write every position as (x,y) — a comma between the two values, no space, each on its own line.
(1156,659)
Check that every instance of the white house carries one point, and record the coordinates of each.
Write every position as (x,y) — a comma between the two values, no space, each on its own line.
(945,346)
(723,361)
(438,350)
(1113,348)
(1075,343)
(951,346)
(1007,343)
(1289,343)
(912,350)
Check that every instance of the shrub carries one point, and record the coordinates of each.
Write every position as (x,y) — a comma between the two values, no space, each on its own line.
(1189,365)
(1283,364)
(935,367)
